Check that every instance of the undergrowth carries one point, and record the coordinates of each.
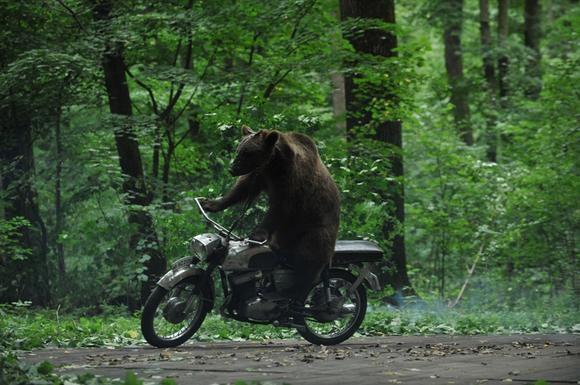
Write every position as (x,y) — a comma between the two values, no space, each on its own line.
(25,328)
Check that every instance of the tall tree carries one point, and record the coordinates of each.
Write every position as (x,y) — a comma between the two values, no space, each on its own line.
(503,62)
(137,196)
(379,43)
(532,41)
(58,207)
(22,24)
(490,78)
(32,279)
(454,65)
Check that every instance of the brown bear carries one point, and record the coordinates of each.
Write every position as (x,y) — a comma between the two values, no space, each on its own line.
(304,204)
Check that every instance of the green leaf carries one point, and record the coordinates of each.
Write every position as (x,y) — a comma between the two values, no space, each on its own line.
(131,379)
(45,368)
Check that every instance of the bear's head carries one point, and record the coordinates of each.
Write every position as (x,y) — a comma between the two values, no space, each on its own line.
(254,151)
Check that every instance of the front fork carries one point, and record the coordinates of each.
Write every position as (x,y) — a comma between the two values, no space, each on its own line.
(204,279)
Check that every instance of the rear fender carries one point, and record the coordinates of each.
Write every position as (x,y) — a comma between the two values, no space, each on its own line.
(371,280)
(366,277)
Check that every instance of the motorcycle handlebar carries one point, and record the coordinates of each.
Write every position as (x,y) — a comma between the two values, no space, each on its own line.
(222,230)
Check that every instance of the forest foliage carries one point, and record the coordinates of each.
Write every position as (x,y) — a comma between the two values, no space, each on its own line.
(197,70)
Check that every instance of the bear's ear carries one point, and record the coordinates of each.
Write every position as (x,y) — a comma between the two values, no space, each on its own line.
(247,131)
(271,139)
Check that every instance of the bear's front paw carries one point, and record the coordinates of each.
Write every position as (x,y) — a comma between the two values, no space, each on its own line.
(211,205)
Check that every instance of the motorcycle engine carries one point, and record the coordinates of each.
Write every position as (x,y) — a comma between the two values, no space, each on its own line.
(259,296)
(262,309)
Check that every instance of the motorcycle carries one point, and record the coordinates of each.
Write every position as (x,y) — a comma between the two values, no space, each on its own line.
(253,278)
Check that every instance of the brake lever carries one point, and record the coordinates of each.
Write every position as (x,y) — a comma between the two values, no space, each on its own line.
(256,243)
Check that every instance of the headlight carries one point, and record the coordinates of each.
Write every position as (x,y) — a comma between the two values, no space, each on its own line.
(198,249)
(204,245)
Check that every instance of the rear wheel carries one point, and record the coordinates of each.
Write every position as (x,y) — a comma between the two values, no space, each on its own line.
(171,317)
(331,324)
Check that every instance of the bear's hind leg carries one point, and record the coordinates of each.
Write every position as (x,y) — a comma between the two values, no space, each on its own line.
(311,256)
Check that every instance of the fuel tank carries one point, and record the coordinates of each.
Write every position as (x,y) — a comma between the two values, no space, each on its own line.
(245,257)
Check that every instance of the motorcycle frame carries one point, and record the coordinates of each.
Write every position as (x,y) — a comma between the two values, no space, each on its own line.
(187,267)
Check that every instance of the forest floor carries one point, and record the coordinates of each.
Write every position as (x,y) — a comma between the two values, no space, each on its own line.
(490,359)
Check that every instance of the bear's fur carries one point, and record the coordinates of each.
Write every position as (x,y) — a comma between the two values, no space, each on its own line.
(304,204)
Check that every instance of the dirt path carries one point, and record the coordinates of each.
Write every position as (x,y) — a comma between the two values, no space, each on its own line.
(518,359)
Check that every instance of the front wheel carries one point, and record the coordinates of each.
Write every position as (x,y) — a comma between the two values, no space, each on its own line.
(171,317)
(331,324)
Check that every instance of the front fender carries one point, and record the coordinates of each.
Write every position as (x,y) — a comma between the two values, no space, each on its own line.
(173,276)
(176,275)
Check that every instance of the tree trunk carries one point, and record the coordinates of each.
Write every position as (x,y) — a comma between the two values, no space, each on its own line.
(486,45)
(156,151)
(31,280)
(338,101)
(532,41)
(454,67)
(144,239)
(167,168)
(59,214)
(503,62)
(380,43)
(490,79)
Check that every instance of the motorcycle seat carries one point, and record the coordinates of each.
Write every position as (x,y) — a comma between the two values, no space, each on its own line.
(347,252)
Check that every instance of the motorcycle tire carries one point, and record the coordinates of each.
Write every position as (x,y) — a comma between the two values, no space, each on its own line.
(150,311)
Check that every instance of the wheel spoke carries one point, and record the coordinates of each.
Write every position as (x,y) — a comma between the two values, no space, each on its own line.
(347,313)
(169,329)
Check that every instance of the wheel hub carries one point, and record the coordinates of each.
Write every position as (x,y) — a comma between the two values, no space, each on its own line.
(174,310)
(326,311)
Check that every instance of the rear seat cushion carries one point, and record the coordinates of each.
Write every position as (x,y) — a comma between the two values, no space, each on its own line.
(356,251)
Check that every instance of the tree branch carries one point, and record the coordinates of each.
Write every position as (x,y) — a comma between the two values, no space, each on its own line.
(250,61)
(305,11)
(209,63)
(469,274)
(188,64)
(175,57)
(146,88)
(73,14)
(272,85)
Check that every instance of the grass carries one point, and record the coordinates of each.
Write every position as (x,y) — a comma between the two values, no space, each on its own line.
(25,328)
